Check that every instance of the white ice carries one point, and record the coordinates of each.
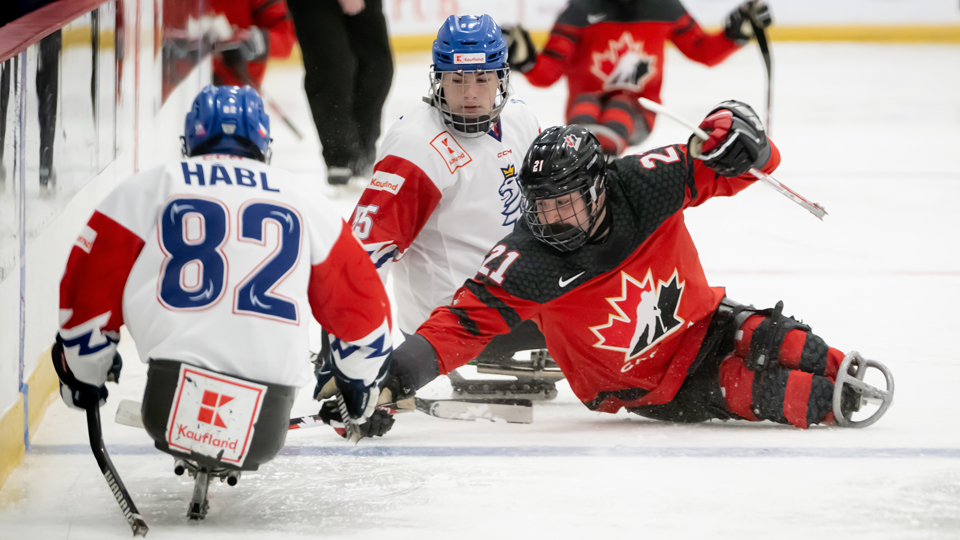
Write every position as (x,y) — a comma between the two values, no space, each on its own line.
(872,132)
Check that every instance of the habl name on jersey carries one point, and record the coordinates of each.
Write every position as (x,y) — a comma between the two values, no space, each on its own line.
(213,174)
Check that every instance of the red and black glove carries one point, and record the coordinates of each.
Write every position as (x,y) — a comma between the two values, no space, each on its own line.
(737,140)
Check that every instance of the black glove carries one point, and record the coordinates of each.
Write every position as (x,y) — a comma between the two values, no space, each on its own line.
(738,28)
(521,52)
(412,365)
(255,47)
(76,394)
(737,140)
(377,425)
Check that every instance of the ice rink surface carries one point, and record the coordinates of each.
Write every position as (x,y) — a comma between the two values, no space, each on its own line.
(871,132)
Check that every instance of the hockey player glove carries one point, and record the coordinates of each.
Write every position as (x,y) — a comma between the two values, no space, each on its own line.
(738,28)
(412,365)
(737,140)
(256,46)
(521,52)
(76,394)
(377,425)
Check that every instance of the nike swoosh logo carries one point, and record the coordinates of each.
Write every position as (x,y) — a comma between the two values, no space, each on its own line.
(595,18)
(565,282)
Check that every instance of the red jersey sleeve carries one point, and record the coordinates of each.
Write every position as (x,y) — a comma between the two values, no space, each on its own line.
(553,59)
(709,184)
(697,45)
(479,312)
(272,15)
(393,209)
(346,295)
(91,296)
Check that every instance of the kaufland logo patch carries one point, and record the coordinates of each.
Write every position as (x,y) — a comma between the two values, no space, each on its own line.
(214,414)
(210,408)
(472,58)
(450,150)
(384,181)
(86,239)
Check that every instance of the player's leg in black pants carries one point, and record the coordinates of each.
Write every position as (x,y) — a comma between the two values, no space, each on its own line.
(48,74)
(331,70)
(524,337)
(371,46)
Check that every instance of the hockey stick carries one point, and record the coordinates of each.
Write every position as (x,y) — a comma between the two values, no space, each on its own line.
(110,474)
(512,411)
(245,79)
(811,207)
(761,33)
(349,424)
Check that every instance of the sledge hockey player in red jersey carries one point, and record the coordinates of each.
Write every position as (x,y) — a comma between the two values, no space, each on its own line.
(611,52)
(605,266)
(214,263)
(444,187)
(262,29)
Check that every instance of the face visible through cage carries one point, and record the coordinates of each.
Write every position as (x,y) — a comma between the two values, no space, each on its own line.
(470,101)
(564,222)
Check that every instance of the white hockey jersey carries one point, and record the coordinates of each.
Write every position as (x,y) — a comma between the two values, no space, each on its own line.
(438,201)
(218,261)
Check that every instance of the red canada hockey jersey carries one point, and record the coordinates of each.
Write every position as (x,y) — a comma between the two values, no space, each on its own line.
(593,39)
(624,318)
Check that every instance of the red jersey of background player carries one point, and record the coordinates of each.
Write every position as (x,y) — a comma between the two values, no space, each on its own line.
(592,39)
(269,15)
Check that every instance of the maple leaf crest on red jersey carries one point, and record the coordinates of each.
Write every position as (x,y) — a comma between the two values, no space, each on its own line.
(643,315)
(623,65)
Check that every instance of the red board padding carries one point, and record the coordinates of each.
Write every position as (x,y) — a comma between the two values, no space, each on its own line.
(16,36)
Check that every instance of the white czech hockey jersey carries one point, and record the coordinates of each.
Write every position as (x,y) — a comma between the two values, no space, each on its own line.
(438,201)
(218,261)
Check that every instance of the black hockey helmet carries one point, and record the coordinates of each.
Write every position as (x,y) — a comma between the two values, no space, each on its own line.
(562,180)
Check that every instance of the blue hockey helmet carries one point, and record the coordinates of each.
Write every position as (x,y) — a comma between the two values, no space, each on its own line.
(466,42)
(470,52)
(227,120)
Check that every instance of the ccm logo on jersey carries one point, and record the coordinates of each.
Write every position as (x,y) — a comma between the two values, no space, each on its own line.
(384,181)
(473,58)
(450,150)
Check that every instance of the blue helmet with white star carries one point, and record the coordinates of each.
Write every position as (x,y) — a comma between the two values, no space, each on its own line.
(227,120)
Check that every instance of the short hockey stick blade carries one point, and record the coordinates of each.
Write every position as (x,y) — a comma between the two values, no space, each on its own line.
(514,411)
(811,207)
(130,513)
(128,414)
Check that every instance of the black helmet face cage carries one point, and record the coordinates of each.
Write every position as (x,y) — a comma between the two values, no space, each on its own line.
(470,101)
(565,221)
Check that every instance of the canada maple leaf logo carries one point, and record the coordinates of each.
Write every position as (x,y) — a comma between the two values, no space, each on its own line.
(643,315)
(623,64)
